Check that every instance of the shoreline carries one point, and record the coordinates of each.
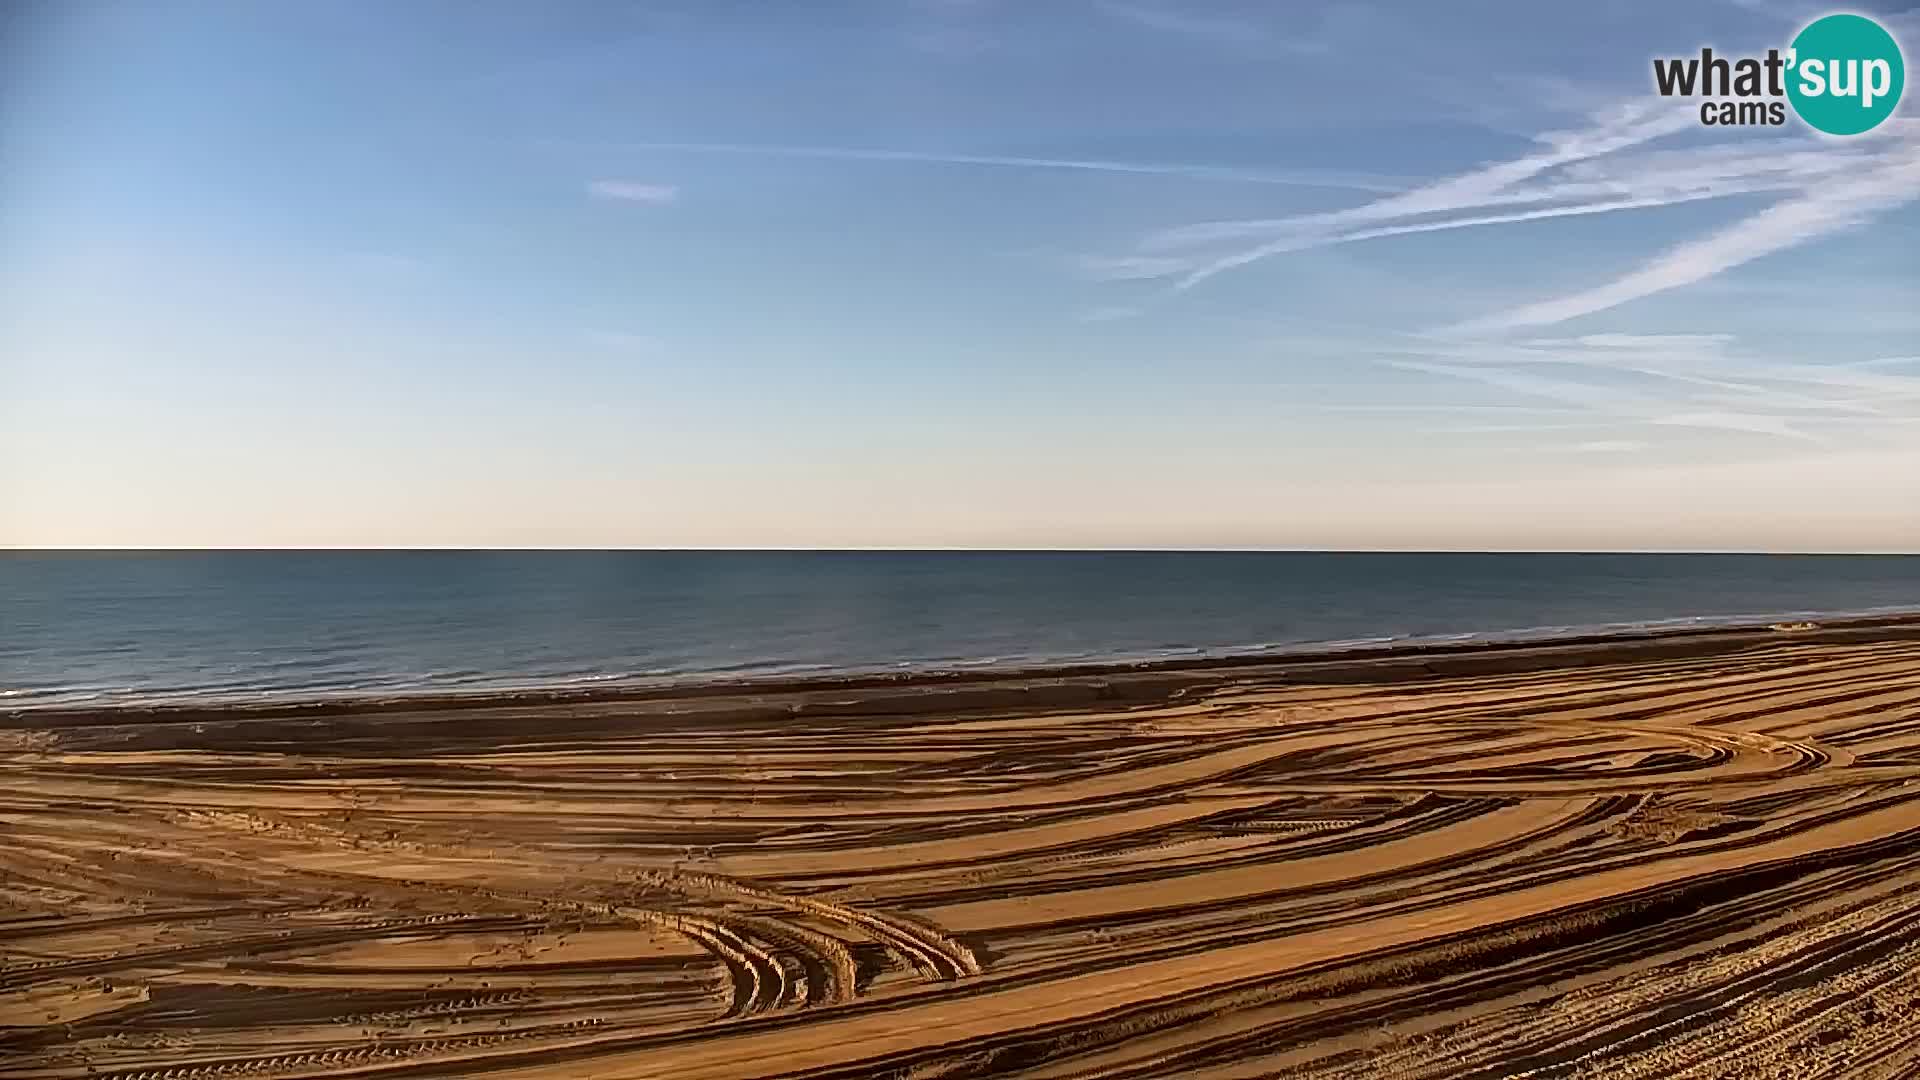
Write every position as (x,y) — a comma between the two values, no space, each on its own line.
(1042,685)
(1674,849)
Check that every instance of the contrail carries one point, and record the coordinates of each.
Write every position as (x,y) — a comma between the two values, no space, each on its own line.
(1289,177)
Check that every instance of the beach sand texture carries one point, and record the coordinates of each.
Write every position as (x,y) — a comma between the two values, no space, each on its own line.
(1622,861)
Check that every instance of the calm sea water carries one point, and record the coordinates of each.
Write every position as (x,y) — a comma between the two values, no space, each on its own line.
(94,627)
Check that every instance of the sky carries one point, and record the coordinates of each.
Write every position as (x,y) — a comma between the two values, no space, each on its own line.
(942,273)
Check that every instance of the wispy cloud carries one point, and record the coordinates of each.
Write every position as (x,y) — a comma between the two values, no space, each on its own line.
(632,191)
(1193,24)
(1438,407)
(1129,267)
(1695,381)
(1423,208)
(951,29)
(1639,341)
(1837,203)
(1603,168)
(1207,25)
(1316,178)
(1197,273)
(1608,446)
(1492,429)
(1108,314)
(1624,406)
(952,42)
(1653,177)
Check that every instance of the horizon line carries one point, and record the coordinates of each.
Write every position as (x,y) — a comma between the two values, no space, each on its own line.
(934,550)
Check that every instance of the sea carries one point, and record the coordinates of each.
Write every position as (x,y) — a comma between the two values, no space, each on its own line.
(103,628)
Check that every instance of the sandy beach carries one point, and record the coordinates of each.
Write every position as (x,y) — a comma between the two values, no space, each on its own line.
(1690,855)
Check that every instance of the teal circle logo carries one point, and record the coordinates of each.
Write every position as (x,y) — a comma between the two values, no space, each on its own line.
(1845,74)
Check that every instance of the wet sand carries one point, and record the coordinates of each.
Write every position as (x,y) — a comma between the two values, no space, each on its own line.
(1682,855)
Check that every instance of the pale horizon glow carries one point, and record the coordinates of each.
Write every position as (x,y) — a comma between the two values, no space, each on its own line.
(1141,275)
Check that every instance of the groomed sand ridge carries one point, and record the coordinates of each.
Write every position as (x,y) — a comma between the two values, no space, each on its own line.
(1629,862)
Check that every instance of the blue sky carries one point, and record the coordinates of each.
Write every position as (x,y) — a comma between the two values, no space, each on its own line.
(941,273)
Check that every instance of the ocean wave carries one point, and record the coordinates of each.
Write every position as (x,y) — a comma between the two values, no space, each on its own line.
(331,677)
